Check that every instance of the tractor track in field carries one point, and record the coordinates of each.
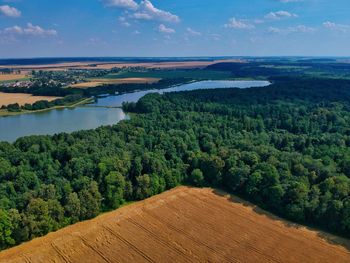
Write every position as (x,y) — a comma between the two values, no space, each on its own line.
(184,225)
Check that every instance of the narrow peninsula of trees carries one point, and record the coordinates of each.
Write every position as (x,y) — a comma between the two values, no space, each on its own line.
(44,104)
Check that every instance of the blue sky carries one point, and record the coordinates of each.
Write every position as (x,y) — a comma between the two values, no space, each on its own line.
(41,28)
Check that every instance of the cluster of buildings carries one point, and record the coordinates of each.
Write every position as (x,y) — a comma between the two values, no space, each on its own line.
(17,84)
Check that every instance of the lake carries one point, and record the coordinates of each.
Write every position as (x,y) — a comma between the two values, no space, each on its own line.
(118,100)
(84,118)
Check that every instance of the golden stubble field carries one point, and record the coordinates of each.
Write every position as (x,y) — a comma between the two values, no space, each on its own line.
(22,98)
(99,82)
(11,77)
(110,65)
(184,225)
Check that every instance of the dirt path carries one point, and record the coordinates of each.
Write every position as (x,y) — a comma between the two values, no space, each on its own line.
(184,225)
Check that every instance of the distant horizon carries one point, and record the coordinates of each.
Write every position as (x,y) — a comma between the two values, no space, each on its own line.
(173,57)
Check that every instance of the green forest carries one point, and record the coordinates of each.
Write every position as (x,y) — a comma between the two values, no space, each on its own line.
(284,147)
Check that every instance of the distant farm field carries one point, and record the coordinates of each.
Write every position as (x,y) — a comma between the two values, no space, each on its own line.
(12,77)
(21,98)
(98,82)
(163,74)
(120,64)
(184,225)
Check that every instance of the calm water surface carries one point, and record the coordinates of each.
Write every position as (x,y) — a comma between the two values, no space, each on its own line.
(210,84)
(84,118)
(56,121)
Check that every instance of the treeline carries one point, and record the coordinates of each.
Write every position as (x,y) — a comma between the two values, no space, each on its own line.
(270,68)
(126,88)
(56,90)
(42,90)
(43,104)
(284,147)
(52,90)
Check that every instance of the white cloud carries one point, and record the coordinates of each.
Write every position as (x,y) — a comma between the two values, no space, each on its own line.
(124,22)
(279,15)
(302,29)
(9,11)
(274,30)
(95,42)
(165,30)
(142,16)
(289,30)
(30,30)
(147,11)
(38,31)
(258,21)
(14,30)
(128,4)
(143,11)
(335,27)
(255,40)
(239,24)
(215,37)
(192,32)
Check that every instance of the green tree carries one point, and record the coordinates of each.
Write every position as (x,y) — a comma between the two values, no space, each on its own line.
(6,229)
(72,208)
(115,187)
(236,177)
(37,218)
(197,177)
(90,201)
(143,188)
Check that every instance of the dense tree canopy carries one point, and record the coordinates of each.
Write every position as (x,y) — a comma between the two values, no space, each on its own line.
(284,147)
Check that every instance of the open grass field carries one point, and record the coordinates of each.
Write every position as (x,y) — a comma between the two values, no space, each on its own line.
(98,82)
(193,74)
(12,77)
(21,98)
(184,225)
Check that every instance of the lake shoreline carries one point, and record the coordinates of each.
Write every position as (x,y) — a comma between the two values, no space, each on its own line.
(6,113)
(92,113)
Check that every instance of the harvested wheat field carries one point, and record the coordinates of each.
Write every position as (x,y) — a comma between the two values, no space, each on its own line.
(183,225)
(160,65)
(99,82)
(63,65)
(22,98)
(11,77)
(110,65)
